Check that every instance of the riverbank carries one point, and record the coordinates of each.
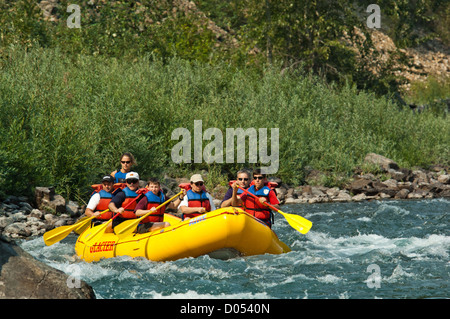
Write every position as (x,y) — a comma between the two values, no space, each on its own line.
(392,182)
(21,217)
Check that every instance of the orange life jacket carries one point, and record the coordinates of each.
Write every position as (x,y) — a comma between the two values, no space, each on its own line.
(105,199)
(130,197)
(154,201)
(254,207)
(195,199)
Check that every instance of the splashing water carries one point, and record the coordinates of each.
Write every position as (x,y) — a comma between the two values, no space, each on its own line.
(388,249)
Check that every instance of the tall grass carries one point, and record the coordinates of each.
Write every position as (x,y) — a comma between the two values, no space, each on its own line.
(65,121)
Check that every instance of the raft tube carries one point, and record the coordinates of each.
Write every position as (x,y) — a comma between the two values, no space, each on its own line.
(224,233)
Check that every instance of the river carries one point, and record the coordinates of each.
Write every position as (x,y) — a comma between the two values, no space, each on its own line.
(365,250)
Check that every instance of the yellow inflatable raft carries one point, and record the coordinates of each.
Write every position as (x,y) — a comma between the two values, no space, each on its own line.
(223,233)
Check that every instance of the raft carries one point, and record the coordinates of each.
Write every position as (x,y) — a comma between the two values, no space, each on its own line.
(224,233)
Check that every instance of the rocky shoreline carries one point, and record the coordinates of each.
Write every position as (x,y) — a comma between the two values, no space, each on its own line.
(22,218)
(393,183)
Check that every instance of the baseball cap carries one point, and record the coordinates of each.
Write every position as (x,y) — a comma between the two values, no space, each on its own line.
(132,175)
(196,178)
(108,178)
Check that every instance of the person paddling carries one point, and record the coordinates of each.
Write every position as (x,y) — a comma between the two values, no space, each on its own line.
(244,180)
(253,206)
(127,197)
(100,200)
(197,200)
(152,199)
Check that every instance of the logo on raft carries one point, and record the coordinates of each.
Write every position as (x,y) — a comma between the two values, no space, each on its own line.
(102,246)
(197,220)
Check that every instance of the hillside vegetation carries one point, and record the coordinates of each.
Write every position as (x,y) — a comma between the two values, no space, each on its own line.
(72,100)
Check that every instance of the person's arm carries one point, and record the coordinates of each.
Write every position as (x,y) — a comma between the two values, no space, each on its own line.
(190,210)
(235,200)
(140,209)
(115,205)
(176,203)
(185,209)
(227,198)
(93,202)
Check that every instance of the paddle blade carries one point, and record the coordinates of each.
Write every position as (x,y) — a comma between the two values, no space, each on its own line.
(57,234)
(83,226)
(95,232)
(127,227)
(297,222)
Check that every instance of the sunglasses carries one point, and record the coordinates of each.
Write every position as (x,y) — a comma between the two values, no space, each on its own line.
(242,179)
(132,181)
(258,177)
(125,162)
(199,184)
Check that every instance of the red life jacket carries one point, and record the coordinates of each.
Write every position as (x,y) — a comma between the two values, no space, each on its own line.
(130,197)
(105,199)
(99,187)
(254,207)
(154,201)
(196,200)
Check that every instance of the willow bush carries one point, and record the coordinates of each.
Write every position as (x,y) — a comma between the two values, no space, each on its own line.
(64,121)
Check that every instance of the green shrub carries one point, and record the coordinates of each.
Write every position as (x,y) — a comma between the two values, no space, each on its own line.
(65,121)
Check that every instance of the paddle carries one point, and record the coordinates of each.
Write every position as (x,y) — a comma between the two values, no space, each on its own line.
(297,222)
(127,227)
(99,230)
(82,227)
(57,234)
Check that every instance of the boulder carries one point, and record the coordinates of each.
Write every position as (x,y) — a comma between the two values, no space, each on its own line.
(46,199)
(306,190)
(418,194)
(402,194)
(73,209)
(17,230)
(333,192)
(36,213)
(362,185)
(359,197)
(444,179)
(343,196)
(420,177)
(5,222)
(391,184)
(384,162)
(22,276)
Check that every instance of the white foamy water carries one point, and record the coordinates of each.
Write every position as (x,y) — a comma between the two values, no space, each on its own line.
(409,242)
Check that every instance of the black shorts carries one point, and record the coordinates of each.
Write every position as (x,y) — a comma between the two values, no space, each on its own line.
(116,221)
(96,222)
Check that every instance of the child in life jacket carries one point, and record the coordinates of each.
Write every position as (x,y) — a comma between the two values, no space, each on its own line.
(197,201)
(152,199)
